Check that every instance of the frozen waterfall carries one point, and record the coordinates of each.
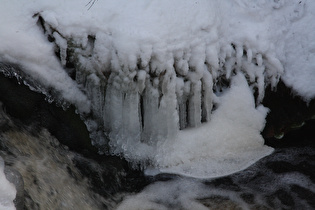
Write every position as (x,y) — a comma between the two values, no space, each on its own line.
(179,111)
(171,86)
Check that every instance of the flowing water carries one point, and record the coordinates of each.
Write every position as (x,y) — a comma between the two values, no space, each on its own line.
(51,180)
(54,180)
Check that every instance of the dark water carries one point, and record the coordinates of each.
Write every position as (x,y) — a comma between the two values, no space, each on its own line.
(283,180)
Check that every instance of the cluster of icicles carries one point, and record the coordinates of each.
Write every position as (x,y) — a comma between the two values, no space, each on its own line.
(145,104)
(153,97)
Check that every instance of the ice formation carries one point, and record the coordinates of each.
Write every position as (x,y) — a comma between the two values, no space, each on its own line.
(173,85)
(7,190)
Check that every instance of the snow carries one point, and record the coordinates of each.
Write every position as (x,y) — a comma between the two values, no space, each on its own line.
(7,190)
(164,59)
(23,43)
(230,142)
(189,30)
(300,53)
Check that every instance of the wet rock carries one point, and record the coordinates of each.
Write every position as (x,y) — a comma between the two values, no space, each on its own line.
(248,198)
(304,194)
(108,175)
(224,183)
(27,107)
(162,177)
(285,197)
(288,112)
(220,203)
(18,100)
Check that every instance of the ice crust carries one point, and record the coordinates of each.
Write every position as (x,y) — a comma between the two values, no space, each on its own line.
(171,83)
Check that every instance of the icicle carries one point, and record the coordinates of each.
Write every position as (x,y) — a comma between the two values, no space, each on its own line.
(249,69)
(239,56)
(160,117)
(95,91)
(259,72)
(259,59)
(131,126)
(141,75)
(229,66)
(249,54)
(261,89)
(151,127)
(62,44)
(194,109)
(207,84)
(275,68)
(113,108)
(168,104)
(181,102)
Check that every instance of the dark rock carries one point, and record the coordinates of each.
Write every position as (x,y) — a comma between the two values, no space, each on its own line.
(30,108)
(304,136)
(224,183)
(281,167)
(162,177)
(288,112)
(19,101)
(110,174)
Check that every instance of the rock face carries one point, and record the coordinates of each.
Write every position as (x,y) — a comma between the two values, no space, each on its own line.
(288,112)
(32,108)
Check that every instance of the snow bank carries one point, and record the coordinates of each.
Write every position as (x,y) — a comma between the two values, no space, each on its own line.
(299,61)
(23,43)
(188,31)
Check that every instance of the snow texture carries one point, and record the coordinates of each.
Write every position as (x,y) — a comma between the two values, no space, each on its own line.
(172,83)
